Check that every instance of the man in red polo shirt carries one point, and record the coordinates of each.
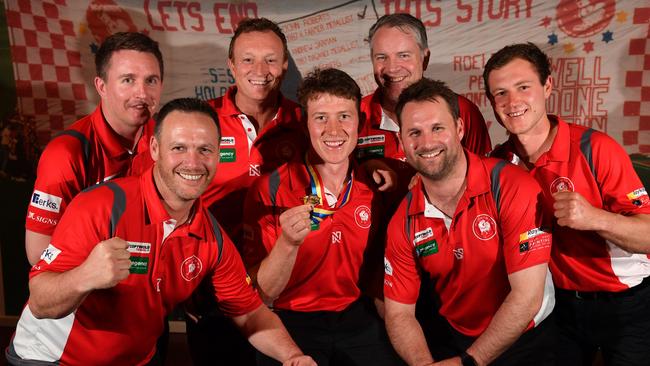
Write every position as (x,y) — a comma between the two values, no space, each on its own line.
(472,225)
(100,146)
(260,131)
(399,52)
(600,261)
(128,251)
(312,260)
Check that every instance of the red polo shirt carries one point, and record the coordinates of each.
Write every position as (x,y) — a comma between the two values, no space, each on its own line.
(470,260)
(120,325)
(583,260)
(326,274)
(70,164)
(374,141)
(246,155)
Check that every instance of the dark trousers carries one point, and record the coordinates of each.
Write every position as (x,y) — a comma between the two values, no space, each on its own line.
(617,323)
(354,336)
(215,340)
(535,347)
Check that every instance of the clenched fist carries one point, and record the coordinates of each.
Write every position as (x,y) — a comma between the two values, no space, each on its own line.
(107,264)
(296,224)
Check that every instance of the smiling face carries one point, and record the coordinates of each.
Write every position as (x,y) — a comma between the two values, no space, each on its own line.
(258,65)
(519,99)
(397,61)
(186,155)
(431,138)
(130,92)
(333,124)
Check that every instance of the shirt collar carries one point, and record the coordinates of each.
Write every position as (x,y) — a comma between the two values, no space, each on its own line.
(106,136)
(157,214)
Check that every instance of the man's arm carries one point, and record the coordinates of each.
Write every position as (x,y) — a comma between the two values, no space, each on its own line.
(55,295)
(267,334)
(514,315)
(406,334)
(631,233)
(275,270)
(35,244)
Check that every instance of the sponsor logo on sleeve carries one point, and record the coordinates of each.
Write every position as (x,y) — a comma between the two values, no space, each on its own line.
(639,197)
(50,253)
(484,227)
(362,216)
(388,269)
(43,220)
(562,184)
(45,201)
(535,239)
(191,268)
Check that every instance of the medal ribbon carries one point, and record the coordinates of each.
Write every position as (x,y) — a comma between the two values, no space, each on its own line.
(320,211)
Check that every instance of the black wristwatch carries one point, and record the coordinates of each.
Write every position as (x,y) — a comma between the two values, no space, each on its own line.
(467,359)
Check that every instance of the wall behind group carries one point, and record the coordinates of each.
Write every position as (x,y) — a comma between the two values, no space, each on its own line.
(600,51)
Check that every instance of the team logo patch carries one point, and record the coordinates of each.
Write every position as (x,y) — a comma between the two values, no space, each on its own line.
(227,141)
(388,269)
(639,197)
(484,227)
(285,150)
(535,239)
(45,201)
(43,220)
(362,216)
(191,268)
(50,253)
(562,184)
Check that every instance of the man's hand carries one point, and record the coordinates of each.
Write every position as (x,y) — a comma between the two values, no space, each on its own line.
(299,361)
(296,224)
(382,174)
(573,210)
(107,264)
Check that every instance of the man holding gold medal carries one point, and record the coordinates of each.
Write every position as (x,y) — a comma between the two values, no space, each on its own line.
(308,231)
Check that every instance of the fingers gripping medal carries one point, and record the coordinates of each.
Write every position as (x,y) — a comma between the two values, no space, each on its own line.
(313,200)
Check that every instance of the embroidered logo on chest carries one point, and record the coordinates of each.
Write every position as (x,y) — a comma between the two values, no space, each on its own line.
(191,268)
(254,170)
(484,227)
(336,237)
(362,216)
(562,184)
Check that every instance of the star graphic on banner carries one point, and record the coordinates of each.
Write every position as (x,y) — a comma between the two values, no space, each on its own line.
(588,46)
(552,38)
(94,48)
(569,47)
(546,21)
(608,36)
(621,16)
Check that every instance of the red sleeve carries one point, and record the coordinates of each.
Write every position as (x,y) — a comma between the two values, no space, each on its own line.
(232,286)
(477,137)
(85,223)
(401,275)
(525,233)
(621,189)
(260,230)
(60,177)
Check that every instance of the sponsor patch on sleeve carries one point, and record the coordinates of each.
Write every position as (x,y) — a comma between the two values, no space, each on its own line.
(50,253)
(46,201)
(639,197)
(535,239)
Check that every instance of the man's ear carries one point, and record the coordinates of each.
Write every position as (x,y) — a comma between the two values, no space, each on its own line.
(425,59)
(460,128)
(548,87)
(154,148)
(100,86)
